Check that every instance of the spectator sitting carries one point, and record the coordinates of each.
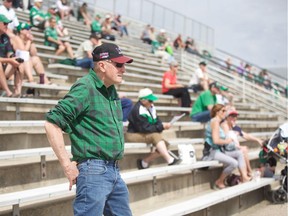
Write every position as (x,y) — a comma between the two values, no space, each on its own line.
(6,57)
(178,42)
(169,49)
(204,103)
(215,139)
(38,18)
(206,55)
(7,10)
(51,39)
(126,104)
(225,97)
(120,26)
(190,46)
(159,50)
(241,69)
(145,126)
(231,119)
(64,9)
(83,54)
(228,65)
(171,87)
(200,80)
(146,35)
(96,25)
(265,79)
(52,12)
(248,72)
(107,29)
(161,37)
(30,52)
(83,15)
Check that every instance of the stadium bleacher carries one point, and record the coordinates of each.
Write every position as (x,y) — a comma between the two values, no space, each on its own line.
(33,183)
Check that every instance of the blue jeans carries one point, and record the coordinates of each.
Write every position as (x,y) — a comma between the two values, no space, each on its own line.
(201,116)
(127,106)
(100,190)
(85,63)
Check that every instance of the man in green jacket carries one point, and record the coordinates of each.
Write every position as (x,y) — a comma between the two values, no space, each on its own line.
(92,116)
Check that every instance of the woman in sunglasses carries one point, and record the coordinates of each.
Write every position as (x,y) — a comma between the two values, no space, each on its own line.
(216,139)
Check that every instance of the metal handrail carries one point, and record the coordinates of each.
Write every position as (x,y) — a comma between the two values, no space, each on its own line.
(238,85)
(149,12)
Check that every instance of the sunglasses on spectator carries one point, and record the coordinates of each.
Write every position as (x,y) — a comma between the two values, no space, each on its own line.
(233,116)
(117,65)
(5,24)
(150,101)
(9,1)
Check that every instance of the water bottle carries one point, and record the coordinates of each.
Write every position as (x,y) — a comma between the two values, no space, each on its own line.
(41,76)
(257,175)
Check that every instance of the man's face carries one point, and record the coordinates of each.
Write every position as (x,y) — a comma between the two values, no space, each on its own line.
(215,90)
(3,27)
(53,23)
(232,119)
(113,72)
(38,4)
(7,3)
(203,68)
(174,68)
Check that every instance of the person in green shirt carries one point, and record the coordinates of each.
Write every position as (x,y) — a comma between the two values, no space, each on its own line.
(52,39)
(38,18)
(204,103)
(96,26)
(91,114)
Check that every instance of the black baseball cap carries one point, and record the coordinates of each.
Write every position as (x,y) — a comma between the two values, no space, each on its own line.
(215,85)
(110,51)
(203,63)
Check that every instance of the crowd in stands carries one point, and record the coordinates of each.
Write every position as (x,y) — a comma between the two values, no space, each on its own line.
(213,106)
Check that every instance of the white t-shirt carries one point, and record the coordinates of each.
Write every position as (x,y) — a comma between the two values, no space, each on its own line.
(60,6)
(197,76)
(221,99)
(10,14)
(86,46)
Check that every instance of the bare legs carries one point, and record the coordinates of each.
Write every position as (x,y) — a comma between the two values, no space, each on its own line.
(65,46)
(3,82)
(161,151)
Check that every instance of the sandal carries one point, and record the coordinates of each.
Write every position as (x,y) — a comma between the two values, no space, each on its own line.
(217,187)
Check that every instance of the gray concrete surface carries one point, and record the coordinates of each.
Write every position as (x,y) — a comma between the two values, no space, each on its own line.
(265,208)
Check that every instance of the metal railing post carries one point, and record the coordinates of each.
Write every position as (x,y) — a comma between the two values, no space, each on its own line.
(243,89)
(153,13)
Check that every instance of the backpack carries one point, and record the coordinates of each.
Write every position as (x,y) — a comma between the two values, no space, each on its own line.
(232,180)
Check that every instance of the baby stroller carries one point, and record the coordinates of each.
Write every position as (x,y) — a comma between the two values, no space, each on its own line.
(278,145)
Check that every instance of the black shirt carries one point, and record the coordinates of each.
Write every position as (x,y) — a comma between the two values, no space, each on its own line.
(5,46)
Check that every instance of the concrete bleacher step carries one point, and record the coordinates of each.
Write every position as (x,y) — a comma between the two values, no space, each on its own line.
(227,197)
(135,180)
(25,105)
(132,177)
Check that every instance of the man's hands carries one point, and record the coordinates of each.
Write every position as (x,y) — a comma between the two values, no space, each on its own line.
(71,173)
(166,125)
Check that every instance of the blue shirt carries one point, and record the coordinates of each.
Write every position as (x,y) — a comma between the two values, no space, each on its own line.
(208,135)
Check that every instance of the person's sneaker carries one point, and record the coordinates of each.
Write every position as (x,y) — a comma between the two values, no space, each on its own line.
(176,161)
(139,164)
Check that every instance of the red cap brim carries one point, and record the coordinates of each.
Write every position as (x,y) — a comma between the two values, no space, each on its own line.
(122,59)
(233,113)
